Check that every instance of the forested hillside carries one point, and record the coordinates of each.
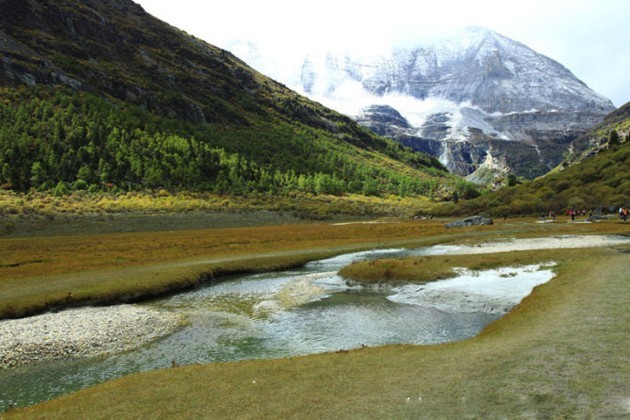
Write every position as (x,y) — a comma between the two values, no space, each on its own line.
(599,179)
(55,139)
(102,96)
(615,127)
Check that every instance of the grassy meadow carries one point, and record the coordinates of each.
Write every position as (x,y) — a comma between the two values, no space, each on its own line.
(562,353)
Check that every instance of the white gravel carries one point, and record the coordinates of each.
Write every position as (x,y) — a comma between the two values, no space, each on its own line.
(553,242)
(90,331)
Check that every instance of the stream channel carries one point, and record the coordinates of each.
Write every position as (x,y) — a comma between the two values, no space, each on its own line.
(290,313)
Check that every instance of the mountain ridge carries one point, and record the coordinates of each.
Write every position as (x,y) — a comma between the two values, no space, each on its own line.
(476,87)
(615,128)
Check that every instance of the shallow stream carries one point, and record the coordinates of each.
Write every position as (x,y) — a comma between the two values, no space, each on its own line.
(289,313)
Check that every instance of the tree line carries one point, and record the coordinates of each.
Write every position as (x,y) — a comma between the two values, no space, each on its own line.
(57,140)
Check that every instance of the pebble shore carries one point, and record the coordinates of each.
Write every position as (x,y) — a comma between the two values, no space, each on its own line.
(82,332)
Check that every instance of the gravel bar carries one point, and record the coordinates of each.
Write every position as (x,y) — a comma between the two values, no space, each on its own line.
(82,332)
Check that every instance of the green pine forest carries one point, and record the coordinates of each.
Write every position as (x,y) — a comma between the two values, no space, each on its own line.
(58,140)
(102,98)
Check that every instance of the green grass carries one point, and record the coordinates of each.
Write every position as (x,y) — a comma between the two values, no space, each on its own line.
(424,269)
(562,353)
(597,182)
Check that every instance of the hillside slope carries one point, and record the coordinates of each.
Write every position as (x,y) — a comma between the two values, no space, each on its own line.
(594,180)
(616,124)
(100,94)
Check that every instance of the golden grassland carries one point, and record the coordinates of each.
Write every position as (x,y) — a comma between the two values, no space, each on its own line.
(15,205)
(394,271)
(44,272)
(41,273)
(562,353)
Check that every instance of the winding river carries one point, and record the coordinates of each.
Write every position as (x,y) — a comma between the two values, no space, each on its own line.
(290,313)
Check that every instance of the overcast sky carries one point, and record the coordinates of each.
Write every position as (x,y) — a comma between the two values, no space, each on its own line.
(589,37)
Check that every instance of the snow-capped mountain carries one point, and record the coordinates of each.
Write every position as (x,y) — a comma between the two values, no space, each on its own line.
(481,102)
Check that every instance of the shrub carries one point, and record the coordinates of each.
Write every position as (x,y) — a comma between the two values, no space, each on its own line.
(80,185)
(61,189)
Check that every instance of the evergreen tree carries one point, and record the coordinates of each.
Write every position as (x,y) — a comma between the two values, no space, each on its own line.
(613,138)
(50,136)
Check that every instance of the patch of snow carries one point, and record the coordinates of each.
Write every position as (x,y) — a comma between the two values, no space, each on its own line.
(418,78)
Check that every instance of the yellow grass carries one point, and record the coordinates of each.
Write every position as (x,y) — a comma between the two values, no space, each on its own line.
(40,273)
(564,352)
(430,268)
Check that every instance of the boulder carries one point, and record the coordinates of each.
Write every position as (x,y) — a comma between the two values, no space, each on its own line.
(470,221)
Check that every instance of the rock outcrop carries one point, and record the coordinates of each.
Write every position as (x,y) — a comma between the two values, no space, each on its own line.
(470,221)
(466,99)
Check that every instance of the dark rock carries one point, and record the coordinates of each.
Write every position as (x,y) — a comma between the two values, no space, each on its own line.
(470,221)
(383,120)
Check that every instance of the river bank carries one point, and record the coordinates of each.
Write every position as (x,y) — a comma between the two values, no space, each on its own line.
(561,353)
(94,331)
(82,332)
(513,353)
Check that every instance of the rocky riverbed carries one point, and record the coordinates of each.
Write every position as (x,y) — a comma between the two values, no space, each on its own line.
(82,332)
(94,331)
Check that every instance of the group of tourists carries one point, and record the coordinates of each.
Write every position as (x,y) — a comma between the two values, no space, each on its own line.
(573,213)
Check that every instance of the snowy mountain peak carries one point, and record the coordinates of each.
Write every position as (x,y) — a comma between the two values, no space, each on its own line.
(473,86)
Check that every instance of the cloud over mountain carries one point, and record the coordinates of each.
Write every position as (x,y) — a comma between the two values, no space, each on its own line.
(470,98)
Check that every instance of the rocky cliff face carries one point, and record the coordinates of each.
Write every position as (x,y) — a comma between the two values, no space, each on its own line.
(477,100)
